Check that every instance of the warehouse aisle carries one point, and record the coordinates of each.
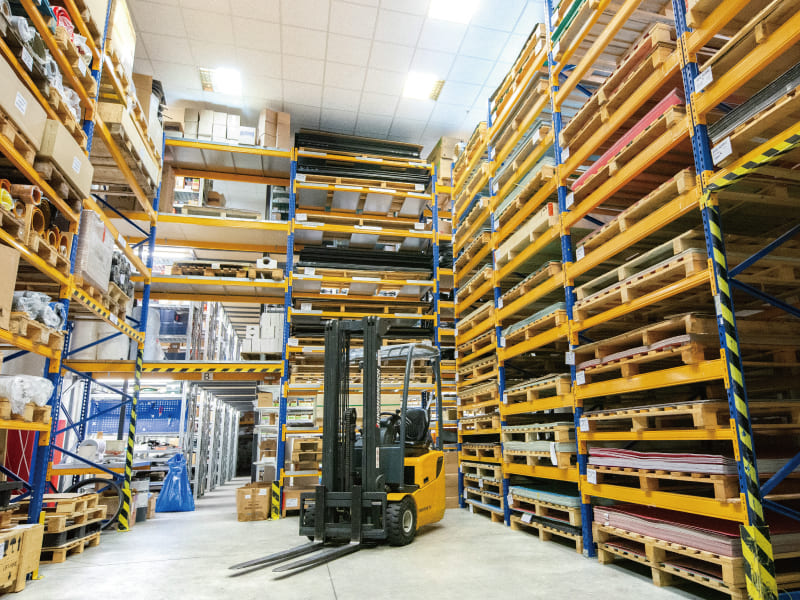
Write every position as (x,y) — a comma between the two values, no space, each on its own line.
(187,556)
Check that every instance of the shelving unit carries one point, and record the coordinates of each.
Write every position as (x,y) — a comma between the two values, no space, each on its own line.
(596,274)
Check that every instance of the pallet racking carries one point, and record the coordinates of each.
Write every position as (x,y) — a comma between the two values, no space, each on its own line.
(639,306)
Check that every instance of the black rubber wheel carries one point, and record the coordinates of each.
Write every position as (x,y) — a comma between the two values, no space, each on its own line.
(401,522)
(309,520)
(109,489)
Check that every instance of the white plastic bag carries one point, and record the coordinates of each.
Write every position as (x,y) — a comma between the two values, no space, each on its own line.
(21,389)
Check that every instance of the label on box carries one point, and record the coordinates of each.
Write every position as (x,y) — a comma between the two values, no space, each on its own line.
(292,502)
(419,226)
(591,476)
(570,199)
(702,81)
(76,165)
(721,150)
(21,103)
(262,492)
(569,358)
(301,217)
(580,378)
(27,59)
(580,253)
(527,518)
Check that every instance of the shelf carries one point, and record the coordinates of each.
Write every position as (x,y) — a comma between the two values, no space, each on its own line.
(253,164)
(181,370)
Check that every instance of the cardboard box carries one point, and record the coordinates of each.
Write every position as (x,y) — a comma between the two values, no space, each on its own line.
(21,106)
(283,131)
(59,146)
(205,123)
(220,118)
(265,400)
(122,35)
(215,199)
(252,332)
(219,133)
(253,502)
(233,125)
(151,506)
(9,258)
(190,130)
(291,498)
(118,114)
(11,542)
(268,475)
(247,135)
(268,444)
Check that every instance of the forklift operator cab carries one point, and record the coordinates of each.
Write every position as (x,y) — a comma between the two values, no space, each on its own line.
(385,481)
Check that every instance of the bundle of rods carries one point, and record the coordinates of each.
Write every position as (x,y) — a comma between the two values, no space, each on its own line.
(27,203)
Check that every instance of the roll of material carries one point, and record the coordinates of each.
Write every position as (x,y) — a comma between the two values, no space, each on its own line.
(19,208)
(52,237)
(29,194)
(37,221)
(63,244)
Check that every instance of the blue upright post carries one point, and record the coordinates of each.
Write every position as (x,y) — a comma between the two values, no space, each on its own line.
(567,258)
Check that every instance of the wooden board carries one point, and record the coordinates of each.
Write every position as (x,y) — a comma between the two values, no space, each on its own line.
(528,233)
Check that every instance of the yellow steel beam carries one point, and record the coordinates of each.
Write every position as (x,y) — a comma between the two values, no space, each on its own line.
(658,295)
(663,144)
(533,68)
(472,230)
(129,366)
(190,297)
(703,371)
(570,474)
(119,240)
(477,354)
(482,181)
(653,222)
(101,311)
(535,201)
(61,60)
(238,177)
(379,231)
(537,341)
(474,296)
(478,329)
(595,50)
(252,150)
(713,23)
(356,279)
(550,403)
(530,251)
(354,216)
(776,43)
(508,147)
(479,151)
(297,295)
(80,25)
(24,343)
(461,273)
(620,116)
(698,434)
(254,225)
(203,245)
(332,187)
(226,281)
(130,178)
(396,162)
(596,13)
(359,315)
(732,511)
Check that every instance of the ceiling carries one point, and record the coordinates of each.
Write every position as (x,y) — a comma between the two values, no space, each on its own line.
(334,64)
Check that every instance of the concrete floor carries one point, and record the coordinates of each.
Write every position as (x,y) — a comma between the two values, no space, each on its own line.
(186,555)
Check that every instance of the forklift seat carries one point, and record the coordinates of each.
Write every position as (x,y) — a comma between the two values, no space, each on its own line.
(416,425)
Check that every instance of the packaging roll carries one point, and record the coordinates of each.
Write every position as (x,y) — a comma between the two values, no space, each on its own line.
(29,194)
(19,209)
(63,244)
(5,184)
(37,221)
(52,237)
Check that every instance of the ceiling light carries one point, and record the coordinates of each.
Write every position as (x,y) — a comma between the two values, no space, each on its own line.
(223,81)
(458,11)
(422,86)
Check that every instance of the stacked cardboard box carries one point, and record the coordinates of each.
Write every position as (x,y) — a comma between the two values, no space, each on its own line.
(442,157)
(302,454)
(267,336)
(149,103)
(217,126)
(253,501)
(274,129)
(451,479)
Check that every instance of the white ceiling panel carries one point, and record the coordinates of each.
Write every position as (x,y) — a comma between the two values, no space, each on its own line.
(353,19)
(398,28)
(336,64)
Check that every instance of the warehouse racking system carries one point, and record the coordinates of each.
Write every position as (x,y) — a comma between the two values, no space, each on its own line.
(599,238)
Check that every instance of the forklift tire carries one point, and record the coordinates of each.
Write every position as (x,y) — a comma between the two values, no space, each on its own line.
(401,522)
(310,520)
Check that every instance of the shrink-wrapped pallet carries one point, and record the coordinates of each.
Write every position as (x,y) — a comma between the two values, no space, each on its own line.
(94,253)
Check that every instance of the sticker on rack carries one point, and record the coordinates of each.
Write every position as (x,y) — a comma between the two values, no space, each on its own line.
(502,341)
(527,518)
(580,377)
(505,397)
(584,423)
(499,303)
(721,151)
(570,199)
(293,341)
(301,217)
(569,358)
(300,177)
(480,483)
(580,253)
(564,154)
(703,80)
(113,318)
(21,103)
(419,226)
(27,59)
(591,476)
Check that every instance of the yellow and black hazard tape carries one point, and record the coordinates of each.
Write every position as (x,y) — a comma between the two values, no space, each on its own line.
(759,568)
(207,369)
(125,511)
(275,505)
(102,311)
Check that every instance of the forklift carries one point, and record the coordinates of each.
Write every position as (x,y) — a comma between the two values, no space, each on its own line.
(379,483)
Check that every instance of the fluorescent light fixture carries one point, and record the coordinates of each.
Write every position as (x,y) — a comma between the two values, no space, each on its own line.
(457,11)
(223,81)
(173,253)
(420,85)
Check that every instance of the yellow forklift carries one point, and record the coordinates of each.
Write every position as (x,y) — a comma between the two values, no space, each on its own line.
(380,483)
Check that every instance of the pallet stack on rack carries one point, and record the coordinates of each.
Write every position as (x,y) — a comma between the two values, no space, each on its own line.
(633,175)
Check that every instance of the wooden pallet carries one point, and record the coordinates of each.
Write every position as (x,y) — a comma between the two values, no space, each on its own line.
(482,452)
(490,500)
(613,542)
(481,471)
(670,122)
(534,458)
(475,283)
(38,333)
(92,21)
(546,532)
(524,194)
(531,282)
(724,487)
(477,215)
(650,279)
(478,345)
(478,370)
(480,393)
(60,554)
(516,75)
(534,328)
(80,69)
(552,432)
(467,156)
(108,91)
(528,233)
(543,393)
(20,143)
(13,225)
(642,61)
(51,255)
(494,486)
(476,508)
(51,173)
(477,246)
(106,169)
(514,167)
(682,183)
(523,112)
(398,186)
(542,508)
(219,212)
(483,313)
(475,182)
(479,425)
